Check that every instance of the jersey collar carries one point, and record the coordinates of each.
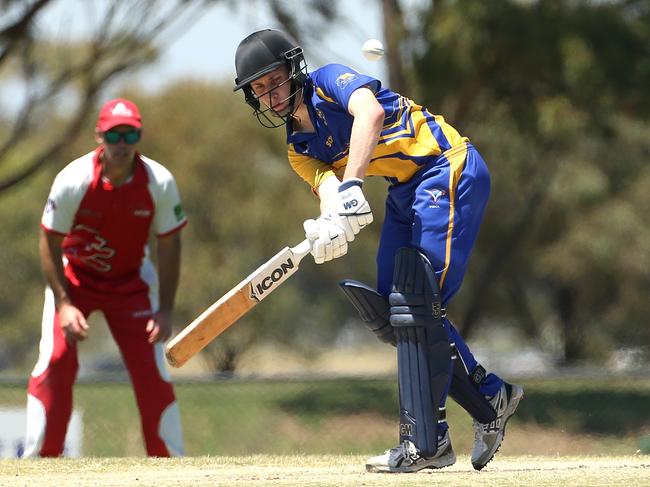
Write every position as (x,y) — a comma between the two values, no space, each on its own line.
(138,177)
(297,137)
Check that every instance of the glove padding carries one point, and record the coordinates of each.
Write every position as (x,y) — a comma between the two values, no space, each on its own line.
(327,237)
(352,207)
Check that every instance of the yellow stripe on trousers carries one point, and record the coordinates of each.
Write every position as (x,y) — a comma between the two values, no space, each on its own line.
(456,157)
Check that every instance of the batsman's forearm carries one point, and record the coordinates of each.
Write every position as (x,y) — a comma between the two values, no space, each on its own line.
(367,125)
(169,263)
(365,135)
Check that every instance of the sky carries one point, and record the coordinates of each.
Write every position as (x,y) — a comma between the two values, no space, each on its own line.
(188,54)
(207,49)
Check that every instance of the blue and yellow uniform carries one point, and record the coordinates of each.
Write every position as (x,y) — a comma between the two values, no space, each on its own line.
(439,184)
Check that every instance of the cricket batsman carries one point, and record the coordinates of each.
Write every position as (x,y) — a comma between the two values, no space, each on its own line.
(341,127)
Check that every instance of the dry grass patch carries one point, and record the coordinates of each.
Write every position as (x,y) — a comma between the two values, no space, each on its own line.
(319,470)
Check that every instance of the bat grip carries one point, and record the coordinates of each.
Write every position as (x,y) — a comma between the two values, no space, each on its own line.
(302,249)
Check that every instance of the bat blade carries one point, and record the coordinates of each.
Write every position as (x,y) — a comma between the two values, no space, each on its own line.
(235,303)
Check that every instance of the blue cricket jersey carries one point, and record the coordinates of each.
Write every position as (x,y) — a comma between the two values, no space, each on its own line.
(410,138)
(440,183)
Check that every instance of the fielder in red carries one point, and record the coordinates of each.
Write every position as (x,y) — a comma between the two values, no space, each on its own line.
(99,215)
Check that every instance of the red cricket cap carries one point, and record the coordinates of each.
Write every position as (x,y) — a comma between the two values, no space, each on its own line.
(118,112)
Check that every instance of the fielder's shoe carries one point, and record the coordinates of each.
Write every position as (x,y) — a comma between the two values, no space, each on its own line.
(488,437)
(406,458)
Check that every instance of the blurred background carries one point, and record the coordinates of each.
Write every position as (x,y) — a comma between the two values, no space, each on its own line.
(554,93)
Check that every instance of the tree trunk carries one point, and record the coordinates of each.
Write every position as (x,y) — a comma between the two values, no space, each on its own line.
(573,332)
(394,34)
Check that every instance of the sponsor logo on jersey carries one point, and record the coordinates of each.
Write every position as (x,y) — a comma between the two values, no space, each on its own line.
(345,79)
(436,195)
(84,246)
(50,205)
(321,115)
(142,213)
(178,212)
(87,212)
(144,313)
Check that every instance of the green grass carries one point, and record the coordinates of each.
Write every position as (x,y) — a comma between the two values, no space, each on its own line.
(346,416)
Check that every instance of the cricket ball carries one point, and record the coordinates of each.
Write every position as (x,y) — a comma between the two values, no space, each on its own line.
(372,49)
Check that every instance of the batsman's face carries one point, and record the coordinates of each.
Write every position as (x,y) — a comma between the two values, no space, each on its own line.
(274,90)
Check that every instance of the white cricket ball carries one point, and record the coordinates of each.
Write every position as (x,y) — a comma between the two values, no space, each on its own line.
(372,49)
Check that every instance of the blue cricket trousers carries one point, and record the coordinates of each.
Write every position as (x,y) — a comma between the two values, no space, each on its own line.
(439,212)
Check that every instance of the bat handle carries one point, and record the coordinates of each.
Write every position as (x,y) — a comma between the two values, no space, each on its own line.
(302,249)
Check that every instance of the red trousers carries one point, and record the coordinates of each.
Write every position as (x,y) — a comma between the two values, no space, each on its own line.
(49,405)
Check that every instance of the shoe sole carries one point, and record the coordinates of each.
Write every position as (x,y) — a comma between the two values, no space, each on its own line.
(515,400)
(444,461)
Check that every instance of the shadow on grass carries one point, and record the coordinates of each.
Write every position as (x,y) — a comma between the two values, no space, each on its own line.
(603,411)
(344,397)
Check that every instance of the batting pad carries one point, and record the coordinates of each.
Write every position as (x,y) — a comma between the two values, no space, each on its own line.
(374,310)
(372,307)
(424,361)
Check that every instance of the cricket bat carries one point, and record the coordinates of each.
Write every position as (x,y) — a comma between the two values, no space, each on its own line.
(235,304)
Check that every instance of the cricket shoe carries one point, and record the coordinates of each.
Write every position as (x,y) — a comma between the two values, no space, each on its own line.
(406,458)
(488,436)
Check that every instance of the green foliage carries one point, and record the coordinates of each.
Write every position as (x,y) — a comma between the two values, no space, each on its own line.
(244,205)
(553,95)
(21,299)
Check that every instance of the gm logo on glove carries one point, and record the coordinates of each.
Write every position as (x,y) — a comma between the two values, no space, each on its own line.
(350,204)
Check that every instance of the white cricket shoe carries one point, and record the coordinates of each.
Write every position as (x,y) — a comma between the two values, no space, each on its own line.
(488,437)
(407,458)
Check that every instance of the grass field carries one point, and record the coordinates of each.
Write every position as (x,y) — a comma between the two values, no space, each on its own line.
(358,417)
(321,470)
(566,433)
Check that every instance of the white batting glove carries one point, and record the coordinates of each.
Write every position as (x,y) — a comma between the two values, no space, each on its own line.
(352,207)
(327,237)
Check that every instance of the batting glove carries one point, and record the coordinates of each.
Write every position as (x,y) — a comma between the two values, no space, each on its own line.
(352,208)
(327,238)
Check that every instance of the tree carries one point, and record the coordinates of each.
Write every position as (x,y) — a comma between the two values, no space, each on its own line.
(63,80)
(554,94)
(122,36)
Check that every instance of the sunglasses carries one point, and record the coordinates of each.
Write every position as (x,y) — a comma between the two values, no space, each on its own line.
(130,137)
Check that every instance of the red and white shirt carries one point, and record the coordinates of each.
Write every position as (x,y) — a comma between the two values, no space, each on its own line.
(107,228)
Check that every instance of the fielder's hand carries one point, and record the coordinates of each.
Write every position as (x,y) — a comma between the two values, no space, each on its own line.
(327,237)
(72,323)
(352,207)
(159,327)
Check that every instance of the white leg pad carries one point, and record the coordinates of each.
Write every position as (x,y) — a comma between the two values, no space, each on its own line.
(170,430)
(35,427)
